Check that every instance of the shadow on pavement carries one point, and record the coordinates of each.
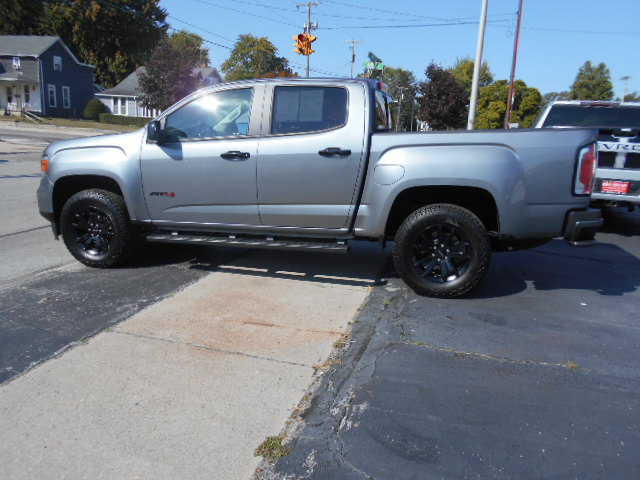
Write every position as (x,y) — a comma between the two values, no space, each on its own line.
(604,268)
(360,268)
(620,221)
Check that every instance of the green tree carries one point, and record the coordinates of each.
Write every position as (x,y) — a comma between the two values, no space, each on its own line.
(22,17)
(631,97)
(550,97)
(401,85)
(288,73)
(462,70)
(253,57)
(187,41)
(443,102)
(492,105)
(116,36)
(526,104)
(168,75)
(592,83)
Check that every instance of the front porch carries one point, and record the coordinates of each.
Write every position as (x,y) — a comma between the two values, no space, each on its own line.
(17,95)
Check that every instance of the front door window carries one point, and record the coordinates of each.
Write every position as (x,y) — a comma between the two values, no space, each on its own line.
(219,114)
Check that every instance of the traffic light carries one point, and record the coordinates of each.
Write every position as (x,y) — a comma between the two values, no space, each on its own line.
(310,40)
(300,45)
(303,44)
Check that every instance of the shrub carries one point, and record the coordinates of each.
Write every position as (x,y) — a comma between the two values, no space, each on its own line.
(124,120)
(94,108)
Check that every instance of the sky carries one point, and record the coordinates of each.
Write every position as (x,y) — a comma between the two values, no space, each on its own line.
(557,36)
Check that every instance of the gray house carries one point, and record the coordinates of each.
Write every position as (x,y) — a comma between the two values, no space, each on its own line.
(123,99)
(41,74)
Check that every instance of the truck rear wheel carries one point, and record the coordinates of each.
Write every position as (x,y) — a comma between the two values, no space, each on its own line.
(96,228)
(442,250)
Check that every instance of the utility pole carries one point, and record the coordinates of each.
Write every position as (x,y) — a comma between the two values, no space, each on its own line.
(308,27)
(516,42)
(476,67)
(625,79)
(402,89)
(353,52)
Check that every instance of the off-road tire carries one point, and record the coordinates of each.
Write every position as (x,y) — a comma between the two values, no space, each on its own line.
(96,228)
(442,250)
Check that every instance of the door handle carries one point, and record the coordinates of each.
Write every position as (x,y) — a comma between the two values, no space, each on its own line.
(334,152)
(235,155)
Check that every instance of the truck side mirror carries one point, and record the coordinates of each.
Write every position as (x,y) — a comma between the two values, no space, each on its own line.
(154,131)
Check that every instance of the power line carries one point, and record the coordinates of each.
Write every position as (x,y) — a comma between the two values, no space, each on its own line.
(362,7)
(213,4)
(403,26)
(199,28)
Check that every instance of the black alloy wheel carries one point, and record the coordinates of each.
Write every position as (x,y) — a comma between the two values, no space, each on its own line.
(442,253)
(442,250)
(96,228)
(94,231)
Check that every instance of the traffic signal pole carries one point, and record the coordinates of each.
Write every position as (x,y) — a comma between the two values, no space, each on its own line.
(308,27)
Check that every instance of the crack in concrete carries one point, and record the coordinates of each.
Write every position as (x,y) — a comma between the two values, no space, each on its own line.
(212,349)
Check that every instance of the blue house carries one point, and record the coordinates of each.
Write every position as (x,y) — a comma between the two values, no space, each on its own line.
(39,73)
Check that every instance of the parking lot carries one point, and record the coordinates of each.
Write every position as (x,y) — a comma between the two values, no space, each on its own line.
(534,376)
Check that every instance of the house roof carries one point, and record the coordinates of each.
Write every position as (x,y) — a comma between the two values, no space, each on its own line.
(129,86)
(25,45)
(29,71)
(32,46)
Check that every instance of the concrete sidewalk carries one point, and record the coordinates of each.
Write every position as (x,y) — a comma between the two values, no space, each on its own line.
(189,387)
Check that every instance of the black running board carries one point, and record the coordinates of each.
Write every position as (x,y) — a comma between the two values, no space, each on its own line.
(250,242)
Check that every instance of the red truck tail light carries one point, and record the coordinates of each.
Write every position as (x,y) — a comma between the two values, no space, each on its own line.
(587,164)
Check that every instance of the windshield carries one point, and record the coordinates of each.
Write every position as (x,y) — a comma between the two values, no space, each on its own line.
(587,116)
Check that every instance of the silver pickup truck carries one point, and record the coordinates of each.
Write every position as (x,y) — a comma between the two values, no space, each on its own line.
(311,164)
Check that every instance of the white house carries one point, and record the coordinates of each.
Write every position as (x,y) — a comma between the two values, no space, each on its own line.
(123,99)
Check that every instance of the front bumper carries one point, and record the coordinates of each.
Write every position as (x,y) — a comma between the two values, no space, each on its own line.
(581,227)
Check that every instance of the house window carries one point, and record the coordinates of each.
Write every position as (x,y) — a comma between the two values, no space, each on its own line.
(121,106)
(27,94)
(66,97)
(57,63)
(16,63)
(9,95)
(52,95)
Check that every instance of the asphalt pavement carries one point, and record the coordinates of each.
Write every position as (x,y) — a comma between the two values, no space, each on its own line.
(534,376)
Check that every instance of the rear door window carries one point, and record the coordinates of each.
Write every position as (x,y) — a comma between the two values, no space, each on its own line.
(308,109)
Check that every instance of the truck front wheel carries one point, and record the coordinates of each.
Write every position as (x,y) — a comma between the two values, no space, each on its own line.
(442,250)
(96,228)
